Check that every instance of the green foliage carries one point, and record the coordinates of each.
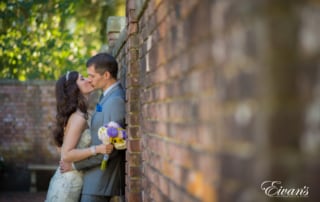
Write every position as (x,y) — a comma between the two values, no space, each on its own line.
(42,39)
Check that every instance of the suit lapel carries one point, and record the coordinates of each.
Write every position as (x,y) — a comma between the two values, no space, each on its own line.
(104,99)
(109,93)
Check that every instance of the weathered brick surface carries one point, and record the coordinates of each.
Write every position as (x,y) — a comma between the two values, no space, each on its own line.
(169,86)
(212,84)
(27,117)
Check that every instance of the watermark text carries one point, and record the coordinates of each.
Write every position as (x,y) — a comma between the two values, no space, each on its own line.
(276,189)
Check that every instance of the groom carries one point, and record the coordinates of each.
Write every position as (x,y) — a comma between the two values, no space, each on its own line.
(101,185)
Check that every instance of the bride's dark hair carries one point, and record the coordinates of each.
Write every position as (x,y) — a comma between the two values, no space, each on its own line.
(69,98)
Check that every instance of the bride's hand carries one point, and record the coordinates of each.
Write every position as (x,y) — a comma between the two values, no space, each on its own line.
(105,149)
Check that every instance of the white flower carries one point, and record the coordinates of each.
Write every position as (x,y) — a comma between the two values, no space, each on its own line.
(113,124)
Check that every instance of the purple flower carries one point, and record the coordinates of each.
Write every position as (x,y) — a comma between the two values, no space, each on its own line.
(112,132)
(124,135)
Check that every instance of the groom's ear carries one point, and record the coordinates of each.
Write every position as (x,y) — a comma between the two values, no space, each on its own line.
(107,75)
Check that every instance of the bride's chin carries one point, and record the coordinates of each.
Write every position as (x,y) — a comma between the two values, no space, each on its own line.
(86,95)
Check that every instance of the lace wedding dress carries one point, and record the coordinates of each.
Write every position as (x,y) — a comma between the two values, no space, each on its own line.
(66,187)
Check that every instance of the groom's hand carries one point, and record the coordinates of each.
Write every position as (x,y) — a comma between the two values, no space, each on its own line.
(65,166)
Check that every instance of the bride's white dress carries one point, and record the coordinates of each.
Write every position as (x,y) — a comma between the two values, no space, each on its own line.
(66,187)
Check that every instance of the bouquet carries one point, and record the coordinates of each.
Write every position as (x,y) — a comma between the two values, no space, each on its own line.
(112,133)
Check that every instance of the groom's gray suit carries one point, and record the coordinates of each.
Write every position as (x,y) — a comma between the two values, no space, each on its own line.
(111,181)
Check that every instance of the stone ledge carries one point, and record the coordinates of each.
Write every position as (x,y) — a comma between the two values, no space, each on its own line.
(42,167)
(119,42)
(38,167)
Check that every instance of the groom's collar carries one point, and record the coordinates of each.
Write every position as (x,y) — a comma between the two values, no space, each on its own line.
(110,88)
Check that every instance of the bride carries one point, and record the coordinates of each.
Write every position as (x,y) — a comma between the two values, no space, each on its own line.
(71,136)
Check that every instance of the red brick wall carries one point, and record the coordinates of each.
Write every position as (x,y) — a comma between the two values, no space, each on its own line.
(171,154)
(176,75)
(220,97)
(27,116)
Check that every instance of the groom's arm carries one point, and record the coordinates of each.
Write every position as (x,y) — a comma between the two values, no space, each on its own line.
(115,113)
(88,163)
(93,161)
(84,164)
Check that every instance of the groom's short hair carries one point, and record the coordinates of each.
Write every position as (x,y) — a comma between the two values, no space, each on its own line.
(103,62)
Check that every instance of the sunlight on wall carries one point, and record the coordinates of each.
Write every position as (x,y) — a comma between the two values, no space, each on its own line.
(121,10)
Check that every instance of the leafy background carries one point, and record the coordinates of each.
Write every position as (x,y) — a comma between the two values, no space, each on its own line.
(42,39)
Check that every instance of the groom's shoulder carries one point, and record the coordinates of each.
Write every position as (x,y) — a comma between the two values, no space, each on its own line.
(116,96)
(119,91)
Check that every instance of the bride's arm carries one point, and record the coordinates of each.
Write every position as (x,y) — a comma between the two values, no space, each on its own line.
(75,126)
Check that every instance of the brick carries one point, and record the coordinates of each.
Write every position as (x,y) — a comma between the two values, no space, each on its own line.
(134,145)
(175,193)
(197,186)
(183,156)
(133,106)
(144,32)
(134,159)
(132,16)
(134,185)
(184,133)
(208,164)
(151,24)
(134,197)
(162,128)
(150,9)
(162,30)
(133,56)
(208,140)
(132,94)
(22,127)
(133,42)
(157,3)
(133,132)
(208,109)
(134,172)
(132,29)
(173,172)
(133,119)
(162,11)
(159,75)
(132,81)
